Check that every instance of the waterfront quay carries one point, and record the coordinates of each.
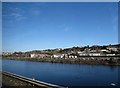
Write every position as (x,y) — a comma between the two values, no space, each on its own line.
(98,60)
(14,80)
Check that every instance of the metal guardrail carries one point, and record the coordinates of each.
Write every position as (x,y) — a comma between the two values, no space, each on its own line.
(31,81)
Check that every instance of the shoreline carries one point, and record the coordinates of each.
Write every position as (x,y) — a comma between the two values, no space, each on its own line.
(110,61)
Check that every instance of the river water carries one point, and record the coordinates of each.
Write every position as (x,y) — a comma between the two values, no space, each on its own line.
(70,75)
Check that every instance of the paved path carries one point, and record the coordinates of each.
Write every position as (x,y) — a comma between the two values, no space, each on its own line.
(17,80)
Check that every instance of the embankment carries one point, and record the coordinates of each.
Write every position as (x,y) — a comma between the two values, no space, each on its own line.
(98,60)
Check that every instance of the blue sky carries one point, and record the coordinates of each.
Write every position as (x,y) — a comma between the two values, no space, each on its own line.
(35,26)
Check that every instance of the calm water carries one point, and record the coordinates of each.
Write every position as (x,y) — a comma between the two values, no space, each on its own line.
(64,74)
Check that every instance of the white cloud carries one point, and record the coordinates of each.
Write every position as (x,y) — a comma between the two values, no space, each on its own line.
(67,29)
(16,15)
(21,18)
(12,15)
(35,11)
(64,27)
(115,23)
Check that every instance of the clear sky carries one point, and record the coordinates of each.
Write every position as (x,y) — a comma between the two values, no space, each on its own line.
(36,26)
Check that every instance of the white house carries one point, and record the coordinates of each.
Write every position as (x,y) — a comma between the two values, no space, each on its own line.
(72,56)
(58,55)
(110,54)
(32,55)
(112,48)
(94,54)
(89,54)
(75,56)
(104,50)
(39,55)
(83,54)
